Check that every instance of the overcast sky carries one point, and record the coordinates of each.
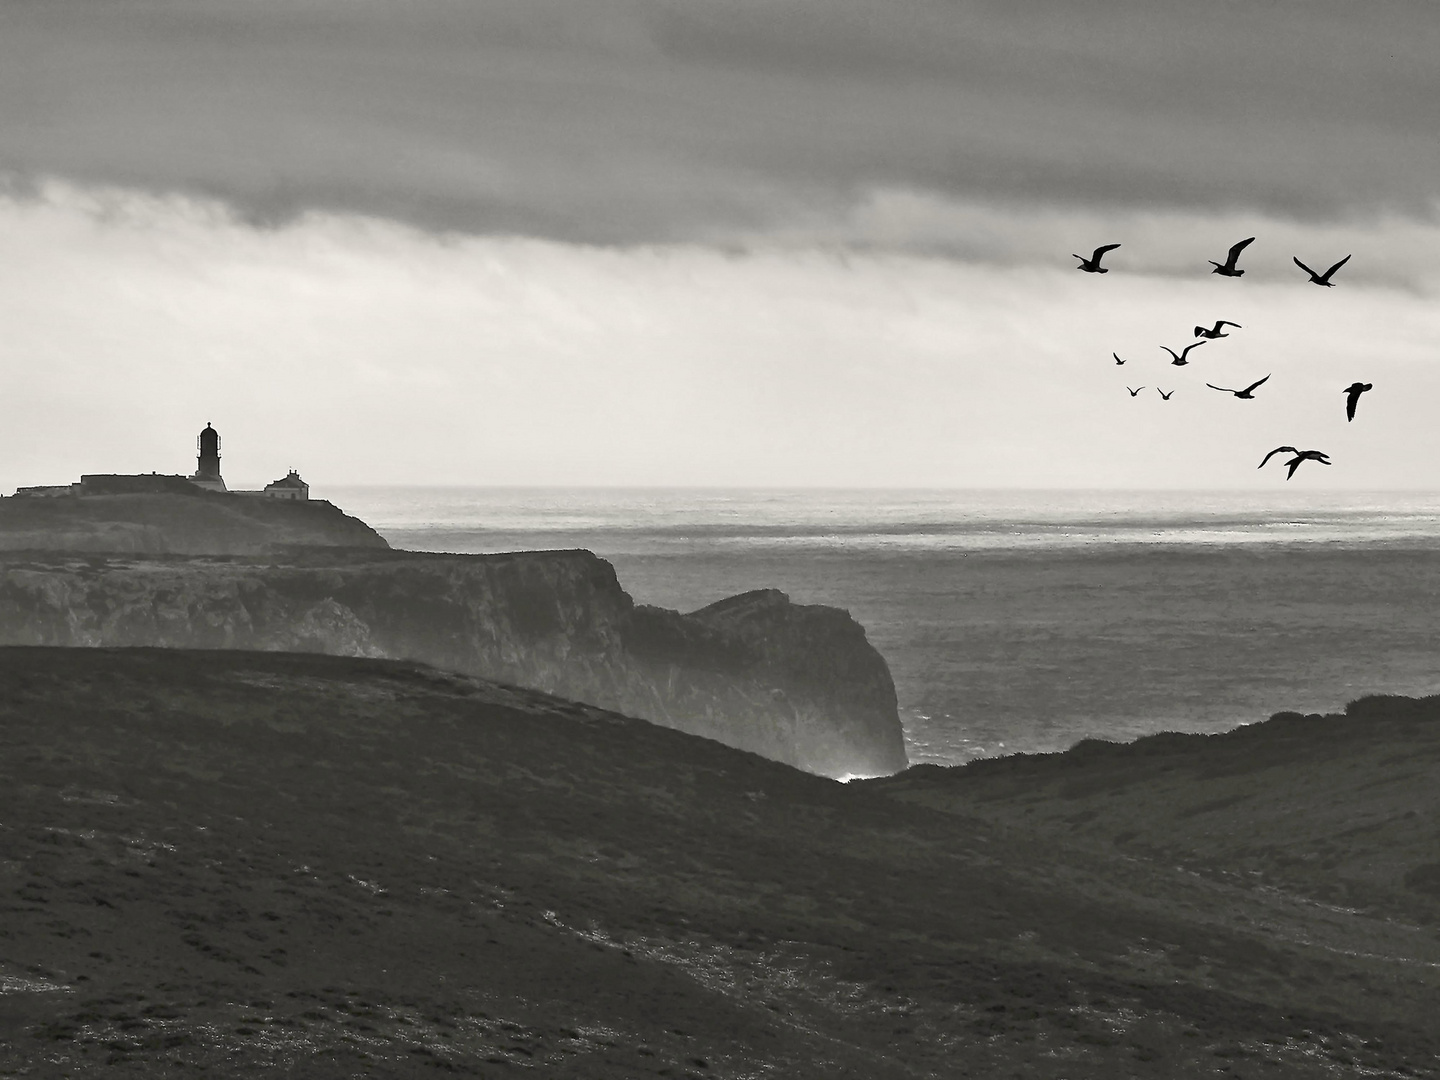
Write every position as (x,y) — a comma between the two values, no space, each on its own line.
(716,241)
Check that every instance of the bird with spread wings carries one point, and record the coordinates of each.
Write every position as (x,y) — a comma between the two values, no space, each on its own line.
(1092,264)
(1300,455)
(1215,330)
(1322,279)
(1246,394)
(1227,268)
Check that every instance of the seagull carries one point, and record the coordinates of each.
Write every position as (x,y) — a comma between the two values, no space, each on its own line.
(1215,331)
(1306,455)
(1246,393)
(1135,393)
(1180,359)
(1352,395)
(1322,279)
(1300,455)
(1227,268)
(1117,358)
(1162,393)
(1277,450)
(1092,264)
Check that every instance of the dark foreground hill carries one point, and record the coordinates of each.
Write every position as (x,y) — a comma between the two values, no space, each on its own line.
(1339,811)
(308,866)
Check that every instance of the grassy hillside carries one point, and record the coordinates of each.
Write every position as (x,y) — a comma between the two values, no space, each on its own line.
(325,867)
(1336,810)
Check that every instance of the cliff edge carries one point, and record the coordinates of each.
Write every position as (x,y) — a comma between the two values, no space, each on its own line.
(794,683)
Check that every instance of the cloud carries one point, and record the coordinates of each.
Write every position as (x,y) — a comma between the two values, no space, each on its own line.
(361,350)
(648,121)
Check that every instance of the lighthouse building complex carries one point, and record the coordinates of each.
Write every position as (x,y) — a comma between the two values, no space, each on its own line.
(206,476)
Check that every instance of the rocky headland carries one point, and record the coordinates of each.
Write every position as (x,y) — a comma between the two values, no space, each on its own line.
(176,519)
(798,684)
(236,863)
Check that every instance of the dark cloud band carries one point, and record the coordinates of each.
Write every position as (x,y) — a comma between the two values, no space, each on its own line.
(635,121)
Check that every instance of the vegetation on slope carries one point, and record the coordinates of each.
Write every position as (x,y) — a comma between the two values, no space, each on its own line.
(322,866)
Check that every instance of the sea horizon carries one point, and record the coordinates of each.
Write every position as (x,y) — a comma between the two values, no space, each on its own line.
(481,517)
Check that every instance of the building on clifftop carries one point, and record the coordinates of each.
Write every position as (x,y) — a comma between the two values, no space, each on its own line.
(289,486)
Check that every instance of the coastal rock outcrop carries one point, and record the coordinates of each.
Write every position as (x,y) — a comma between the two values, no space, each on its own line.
(795,683)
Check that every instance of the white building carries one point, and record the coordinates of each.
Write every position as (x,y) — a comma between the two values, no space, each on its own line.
(289,486)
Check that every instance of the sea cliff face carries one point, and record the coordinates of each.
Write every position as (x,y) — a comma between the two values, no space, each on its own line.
(797,684)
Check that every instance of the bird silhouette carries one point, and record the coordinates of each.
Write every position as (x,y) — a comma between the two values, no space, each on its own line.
(1352,395)
(1092,264)
(1227,268)
(1246,393)
(1300,455)
(1163,394)
(1135,393)
(1277,450)
(1305,455)
(1179,360)
(1215,331)
(1322,279)
(1117,358)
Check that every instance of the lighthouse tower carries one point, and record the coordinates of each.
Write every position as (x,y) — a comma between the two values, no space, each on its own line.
(207,470)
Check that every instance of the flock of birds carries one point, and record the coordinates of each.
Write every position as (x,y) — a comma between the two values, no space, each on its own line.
(1230,268)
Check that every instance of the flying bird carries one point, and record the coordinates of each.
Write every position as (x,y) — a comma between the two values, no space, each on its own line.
(1163,394)
(1227,268)
(1352,395)
(1294,463)
(1215,331)
(1306,455)
(1135,393)
(1246,393)
(1117,358)
(1277,450)
(1092,264)
(1322,279)
(1180,359)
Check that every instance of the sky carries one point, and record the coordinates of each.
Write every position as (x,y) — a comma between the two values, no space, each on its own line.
(717,242)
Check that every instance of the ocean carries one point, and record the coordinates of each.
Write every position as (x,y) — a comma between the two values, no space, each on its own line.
(1021,621)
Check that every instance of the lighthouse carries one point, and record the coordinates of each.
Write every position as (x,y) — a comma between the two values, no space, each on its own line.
(207,468)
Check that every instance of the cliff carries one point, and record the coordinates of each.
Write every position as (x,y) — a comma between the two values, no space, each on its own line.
(266,864)
(181,520)
(797,684)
